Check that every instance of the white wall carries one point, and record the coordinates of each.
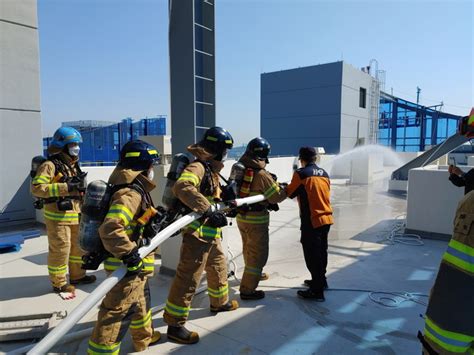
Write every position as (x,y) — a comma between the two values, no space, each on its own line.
(352,80)
(432,200)
(20,117)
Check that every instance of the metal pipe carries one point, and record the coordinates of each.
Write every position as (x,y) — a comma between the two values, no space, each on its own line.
(62,328)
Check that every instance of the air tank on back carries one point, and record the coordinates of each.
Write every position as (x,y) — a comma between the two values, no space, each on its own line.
(236,177)
(180,161)
(94,208)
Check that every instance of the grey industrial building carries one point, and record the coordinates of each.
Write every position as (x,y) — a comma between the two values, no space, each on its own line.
(328,105)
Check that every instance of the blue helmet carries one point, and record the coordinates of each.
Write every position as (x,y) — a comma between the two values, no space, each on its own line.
(65,135)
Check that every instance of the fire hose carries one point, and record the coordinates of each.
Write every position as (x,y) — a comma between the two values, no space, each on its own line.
(80,311)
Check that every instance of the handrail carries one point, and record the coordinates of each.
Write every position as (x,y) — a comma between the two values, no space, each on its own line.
(101,290)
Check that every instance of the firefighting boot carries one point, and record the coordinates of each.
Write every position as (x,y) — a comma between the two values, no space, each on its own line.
(67,288)
(88,279)
(155,338)
(182,335)
(229,306)
(255,295)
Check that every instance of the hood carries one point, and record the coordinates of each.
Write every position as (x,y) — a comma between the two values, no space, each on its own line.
(250,162)
(121,176)
(200,152)
(67,159)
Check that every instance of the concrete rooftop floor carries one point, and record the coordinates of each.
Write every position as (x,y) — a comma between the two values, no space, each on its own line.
(348,322)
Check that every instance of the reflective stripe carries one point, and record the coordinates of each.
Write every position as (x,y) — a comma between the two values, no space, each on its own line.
(136,267)
(175,310)
(95,348)
(228,141)
(205,231)
(271,190)
(253,219)
(212,139)
(120,212)
(460,255)
(253,270)
(57,270)
(141,323)
(75,259)
(187,176)
(53,190)
(248,178)
(132,154)
(221,292)
(153,151)
(112,264)
(61,216)
(41,179)
(245,190)
(451,341)
(149,263)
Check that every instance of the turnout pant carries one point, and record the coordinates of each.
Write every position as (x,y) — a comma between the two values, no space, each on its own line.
(315,249)
(255,252)
(127,305)
(63,251)
(196,256)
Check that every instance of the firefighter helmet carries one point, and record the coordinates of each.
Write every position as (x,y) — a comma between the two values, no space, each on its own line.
(138,155)
(64,136)
(218,141)
(258,148)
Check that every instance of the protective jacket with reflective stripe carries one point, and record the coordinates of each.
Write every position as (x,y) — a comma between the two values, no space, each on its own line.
(42,186)
(262,184)
(126,207)
(450,314)
(197,187)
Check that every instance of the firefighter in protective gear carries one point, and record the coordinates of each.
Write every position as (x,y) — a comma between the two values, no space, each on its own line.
(58,182)
(127,304)
(449,321)
(197,188)
(253,221)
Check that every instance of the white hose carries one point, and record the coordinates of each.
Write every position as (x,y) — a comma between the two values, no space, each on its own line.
(397,234)
(62,328)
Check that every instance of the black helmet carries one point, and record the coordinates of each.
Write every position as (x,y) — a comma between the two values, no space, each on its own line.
(138,155)
(217,140)
(258,148)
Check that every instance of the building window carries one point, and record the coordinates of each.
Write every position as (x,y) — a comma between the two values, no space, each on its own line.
(362,97)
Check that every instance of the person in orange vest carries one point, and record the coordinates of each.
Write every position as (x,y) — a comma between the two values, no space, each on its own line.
(311,185)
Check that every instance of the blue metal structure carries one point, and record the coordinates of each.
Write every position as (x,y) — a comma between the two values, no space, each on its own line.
(101,145)
(407,127)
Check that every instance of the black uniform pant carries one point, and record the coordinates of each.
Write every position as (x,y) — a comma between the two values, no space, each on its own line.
(315,249)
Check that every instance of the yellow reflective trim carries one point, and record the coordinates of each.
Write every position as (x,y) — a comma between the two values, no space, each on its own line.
(141,323)
(132,154)
(253,219)
(75,260)
(222,291)
(95,348)
(153,151)
(41,179)
(228,141)
(57,270)
(271,190)
(66,216)
(120,212)
(176,310)
(212,139)
(187,176)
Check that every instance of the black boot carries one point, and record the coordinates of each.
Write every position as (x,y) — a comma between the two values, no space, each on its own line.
(229,306)
(182,335)
(255,295)
(325,284)
(88,279)
(318,296)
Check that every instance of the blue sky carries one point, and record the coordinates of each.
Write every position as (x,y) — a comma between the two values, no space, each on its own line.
(108,59)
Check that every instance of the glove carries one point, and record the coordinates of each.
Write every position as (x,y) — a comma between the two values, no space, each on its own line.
(151,229)
(133,262)
(77,183)
(283,185)
(228,193)
(215,219)
(274,177)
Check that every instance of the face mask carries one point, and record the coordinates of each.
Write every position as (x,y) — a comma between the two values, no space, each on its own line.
(151,174)
(74,151)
